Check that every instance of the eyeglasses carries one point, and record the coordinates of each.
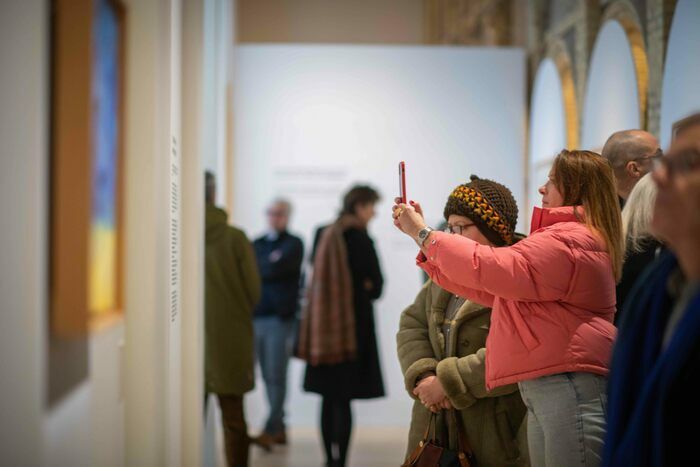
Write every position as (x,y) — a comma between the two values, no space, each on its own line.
(680,162)
(658,154)
(456,229)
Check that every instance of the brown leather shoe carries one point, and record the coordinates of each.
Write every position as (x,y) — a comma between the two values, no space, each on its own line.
(279,438)
(264,441)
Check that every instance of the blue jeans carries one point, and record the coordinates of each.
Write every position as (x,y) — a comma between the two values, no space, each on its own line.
(273,349)
(565,419)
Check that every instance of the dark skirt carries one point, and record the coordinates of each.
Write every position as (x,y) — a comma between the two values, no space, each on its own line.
(358,379)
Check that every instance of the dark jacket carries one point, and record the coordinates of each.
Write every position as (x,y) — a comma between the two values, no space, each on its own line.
(361,378)
(491,420)
(232,289)
(652,398)
(635,263)
(279,263)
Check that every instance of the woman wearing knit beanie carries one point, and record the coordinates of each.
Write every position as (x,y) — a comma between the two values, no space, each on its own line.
(553,301)
(442,339)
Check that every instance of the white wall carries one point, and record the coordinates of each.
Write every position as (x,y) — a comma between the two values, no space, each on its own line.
(680,95)
(547,128)
(192,252)
(23,202)
(174,420)
(87,426)
(153,341)
(611,103)
(312,120)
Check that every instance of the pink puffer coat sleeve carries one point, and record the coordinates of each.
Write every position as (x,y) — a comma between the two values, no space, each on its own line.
(538,268)
(477,296)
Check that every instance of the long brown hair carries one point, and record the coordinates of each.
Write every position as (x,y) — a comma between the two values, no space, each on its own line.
(586,179)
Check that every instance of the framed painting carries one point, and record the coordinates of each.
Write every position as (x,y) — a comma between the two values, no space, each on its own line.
(86,244)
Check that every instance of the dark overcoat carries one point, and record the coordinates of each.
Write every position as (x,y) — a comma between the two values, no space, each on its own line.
(361,378)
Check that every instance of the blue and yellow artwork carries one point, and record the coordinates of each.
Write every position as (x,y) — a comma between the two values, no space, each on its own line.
(105,169)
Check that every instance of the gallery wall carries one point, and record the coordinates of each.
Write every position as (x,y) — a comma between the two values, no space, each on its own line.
(23,201)
(140,400)
(312,120)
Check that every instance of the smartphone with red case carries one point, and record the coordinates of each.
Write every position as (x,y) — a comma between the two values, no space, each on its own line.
(402,182)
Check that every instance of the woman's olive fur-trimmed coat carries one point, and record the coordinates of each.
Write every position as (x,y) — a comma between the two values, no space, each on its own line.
(494,422)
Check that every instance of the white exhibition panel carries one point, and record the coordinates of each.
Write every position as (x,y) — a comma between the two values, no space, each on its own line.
(611,103)
(312,120)
(680,94)
(547,127)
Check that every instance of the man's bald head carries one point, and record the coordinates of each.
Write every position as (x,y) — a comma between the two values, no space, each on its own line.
(627,145)
(629,153)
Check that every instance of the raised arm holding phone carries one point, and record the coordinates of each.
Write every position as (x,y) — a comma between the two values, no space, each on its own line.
(441,346)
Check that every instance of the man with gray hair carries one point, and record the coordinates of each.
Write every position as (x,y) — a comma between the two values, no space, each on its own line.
(631,154)
(279,256)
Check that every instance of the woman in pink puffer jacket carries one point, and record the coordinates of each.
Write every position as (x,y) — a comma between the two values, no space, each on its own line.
(553,300)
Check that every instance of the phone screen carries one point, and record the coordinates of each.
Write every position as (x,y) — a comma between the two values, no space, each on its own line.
(402,182)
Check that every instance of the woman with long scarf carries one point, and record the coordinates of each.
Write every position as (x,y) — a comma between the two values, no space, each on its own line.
(337,337)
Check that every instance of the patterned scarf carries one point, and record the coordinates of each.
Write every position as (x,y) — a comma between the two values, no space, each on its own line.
(327,328)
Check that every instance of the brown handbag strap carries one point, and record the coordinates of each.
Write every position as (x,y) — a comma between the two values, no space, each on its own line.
(411,459)
(464,451)
(432,422)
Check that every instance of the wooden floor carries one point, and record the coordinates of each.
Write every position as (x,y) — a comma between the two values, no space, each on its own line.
(370,447)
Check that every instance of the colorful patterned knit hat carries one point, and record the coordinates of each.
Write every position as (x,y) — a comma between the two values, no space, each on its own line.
(489,204)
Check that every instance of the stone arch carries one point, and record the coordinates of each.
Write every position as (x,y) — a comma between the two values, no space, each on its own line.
(557,52)
(624,13)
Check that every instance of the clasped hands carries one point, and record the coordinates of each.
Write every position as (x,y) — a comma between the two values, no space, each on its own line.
(430,392)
